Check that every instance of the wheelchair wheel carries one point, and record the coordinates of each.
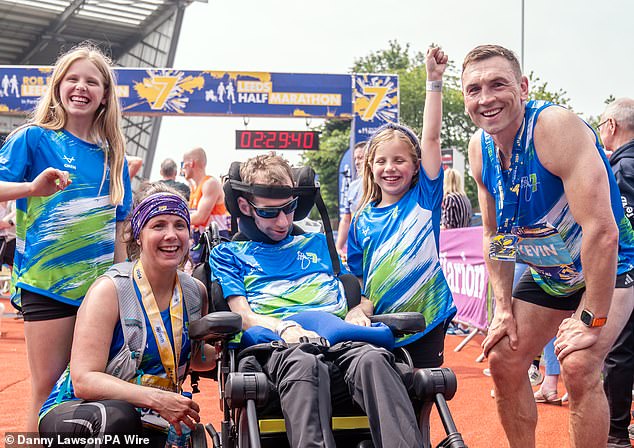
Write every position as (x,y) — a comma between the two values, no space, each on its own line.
(199,437)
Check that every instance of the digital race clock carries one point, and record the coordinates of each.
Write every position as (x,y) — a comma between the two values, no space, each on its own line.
(302,140)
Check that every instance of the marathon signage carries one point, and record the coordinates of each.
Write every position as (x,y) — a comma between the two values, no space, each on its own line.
(376,102)
(183,92)
(462,263)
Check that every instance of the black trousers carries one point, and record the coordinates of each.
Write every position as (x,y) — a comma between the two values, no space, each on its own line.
(305,377)
(80,423)
(618,380)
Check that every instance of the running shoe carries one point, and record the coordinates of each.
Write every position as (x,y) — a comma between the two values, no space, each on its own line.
(535,375)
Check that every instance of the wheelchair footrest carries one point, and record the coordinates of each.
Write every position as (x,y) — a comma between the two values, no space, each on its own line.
(429,382)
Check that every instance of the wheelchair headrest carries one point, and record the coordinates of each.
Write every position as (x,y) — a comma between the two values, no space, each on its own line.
(305,188)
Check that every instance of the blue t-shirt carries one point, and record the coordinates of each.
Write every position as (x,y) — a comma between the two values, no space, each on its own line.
(66,240)
(395,249)
(151,363)
(549,237)
(280,279)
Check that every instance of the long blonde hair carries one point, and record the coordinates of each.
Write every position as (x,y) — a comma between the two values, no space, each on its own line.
(371,190)
(452,182)
(50,114)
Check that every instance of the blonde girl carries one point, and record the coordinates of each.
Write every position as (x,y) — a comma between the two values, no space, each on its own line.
(393,241)
(66,168)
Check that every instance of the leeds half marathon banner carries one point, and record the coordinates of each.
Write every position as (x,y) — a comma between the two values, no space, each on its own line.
(462,262)
(186,92)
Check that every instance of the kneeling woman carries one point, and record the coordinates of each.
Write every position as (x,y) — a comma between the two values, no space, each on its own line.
(124,372)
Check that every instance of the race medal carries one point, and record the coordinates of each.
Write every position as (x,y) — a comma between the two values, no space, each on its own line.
(503,247)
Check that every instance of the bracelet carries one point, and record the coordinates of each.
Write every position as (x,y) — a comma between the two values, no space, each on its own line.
(285,325)
(434,86)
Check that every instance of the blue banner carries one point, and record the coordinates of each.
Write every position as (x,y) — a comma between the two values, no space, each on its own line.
(376,102)
(182,92)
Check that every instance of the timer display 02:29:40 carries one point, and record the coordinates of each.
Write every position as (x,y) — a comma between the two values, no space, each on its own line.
(301,140)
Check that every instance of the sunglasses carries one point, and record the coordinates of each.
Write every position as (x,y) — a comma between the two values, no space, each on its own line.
(273,212)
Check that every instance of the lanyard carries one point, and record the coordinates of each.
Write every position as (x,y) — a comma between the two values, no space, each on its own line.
(507,203)
(169,356)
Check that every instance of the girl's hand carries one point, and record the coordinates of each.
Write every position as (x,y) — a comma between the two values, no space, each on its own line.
(50,181)
(435,63)
(176,408)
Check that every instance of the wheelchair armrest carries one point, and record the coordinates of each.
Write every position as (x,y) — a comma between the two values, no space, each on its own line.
(217,325)
(401,323)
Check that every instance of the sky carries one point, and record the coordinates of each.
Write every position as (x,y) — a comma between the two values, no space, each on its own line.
(584,47)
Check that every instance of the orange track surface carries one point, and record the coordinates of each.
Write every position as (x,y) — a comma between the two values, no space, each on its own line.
(472,408)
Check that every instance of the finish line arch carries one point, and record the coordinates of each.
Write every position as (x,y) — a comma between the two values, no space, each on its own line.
(367,100)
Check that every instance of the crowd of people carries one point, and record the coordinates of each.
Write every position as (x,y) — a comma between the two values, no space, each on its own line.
(97,272)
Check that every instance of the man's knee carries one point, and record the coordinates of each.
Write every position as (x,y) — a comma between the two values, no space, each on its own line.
(506,362)
(580,371)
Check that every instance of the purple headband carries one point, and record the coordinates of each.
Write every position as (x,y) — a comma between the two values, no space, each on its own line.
(158,204)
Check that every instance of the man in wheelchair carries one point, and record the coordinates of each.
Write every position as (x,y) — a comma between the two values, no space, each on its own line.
(276,275)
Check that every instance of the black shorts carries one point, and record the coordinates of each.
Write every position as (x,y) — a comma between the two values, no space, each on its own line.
(7,249)
(36,307)
(429,351)
(527,290)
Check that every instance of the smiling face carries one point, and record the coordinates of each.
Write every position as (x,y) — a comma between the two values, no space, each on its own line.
(82,90)
(494,96)
(393,168)
(164,241)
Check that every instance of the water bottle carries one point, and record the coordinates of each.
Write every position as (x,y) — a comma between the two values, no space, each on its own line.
(182,441)
(176,441)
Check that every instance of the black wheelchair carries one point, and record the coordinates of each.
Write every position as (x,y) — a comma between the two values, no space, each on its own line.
(251,414)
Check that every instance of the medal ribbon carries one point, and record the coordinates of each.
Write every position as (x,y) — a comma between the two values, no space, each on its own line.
(169,356)
(507,204)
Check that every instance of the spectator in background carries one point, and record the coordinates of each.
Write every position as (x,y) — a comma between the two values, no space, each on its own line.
(351,200)
(456,206)
(134,165)
(207,201)
(547,392)
(168,173)
(617,134)
(7,232)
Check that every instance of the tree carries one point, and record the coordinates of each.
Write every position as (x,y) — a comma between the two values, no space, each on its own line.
(539,91)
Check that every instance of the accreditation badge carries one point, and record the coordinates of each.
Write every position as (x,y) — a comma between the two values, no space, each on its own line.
(503,247)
